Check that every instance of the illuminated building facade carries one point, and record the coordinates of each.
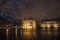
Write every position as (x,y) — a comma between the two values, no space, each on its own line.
(49,25)
(28,24)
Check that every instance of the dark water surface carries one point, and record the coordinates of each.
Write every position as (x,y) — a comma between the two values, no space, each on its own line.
(29,35)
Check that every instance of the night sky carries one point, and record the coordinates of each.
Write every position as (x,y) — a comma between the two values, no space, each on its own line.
(37,9)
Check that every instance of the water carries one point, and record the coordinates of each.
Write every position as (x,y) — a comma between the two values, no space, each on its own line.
(18,34)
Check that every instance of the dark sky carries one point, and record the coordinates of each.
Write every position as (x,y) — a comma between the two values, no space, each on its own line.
(44,9)
(37,9)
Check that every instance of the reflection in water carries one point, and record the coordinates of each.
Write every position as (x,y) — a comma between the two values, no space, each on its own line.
(16,33)
(39,35)
(47,35)
(7,30)
(28,35)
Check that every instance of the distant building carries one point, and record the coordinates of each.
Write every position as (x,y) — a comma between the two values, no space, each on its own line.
(48,23)
(29,24)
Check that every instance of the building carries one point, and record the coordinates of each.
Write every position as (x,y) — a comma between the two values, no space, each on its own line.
(50,24)
(28,24)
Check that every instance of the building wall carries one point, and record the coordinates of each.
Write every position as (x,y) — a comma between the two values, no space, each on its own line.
(50,24)
(29,24)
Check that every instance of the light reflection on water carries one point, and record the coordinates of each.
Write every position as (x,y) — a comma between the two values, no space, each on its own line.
(30,35)
(49,34)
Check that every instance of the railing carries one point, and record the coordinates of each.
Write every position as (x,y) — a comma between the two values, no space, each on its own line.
(7,30)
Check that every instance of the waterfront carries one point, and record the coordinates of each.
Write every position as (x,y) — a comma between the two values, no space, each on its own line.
(19,34)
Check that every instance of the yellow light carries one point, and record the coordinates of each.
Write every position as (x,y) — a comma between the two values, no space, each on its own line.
(48,26)
(28,24)
(28,34)
(29,27)
(55,25)
(43,26)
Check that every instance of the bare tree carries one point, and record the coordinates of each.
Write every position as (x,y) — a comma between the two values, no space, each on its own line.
(13,7)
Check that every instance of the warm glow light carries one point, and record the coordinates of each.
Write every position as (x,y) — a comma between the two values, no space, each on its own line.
(25,27)
(43,26)
(28,24)
(48,26)
(55,25)
(28,34)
